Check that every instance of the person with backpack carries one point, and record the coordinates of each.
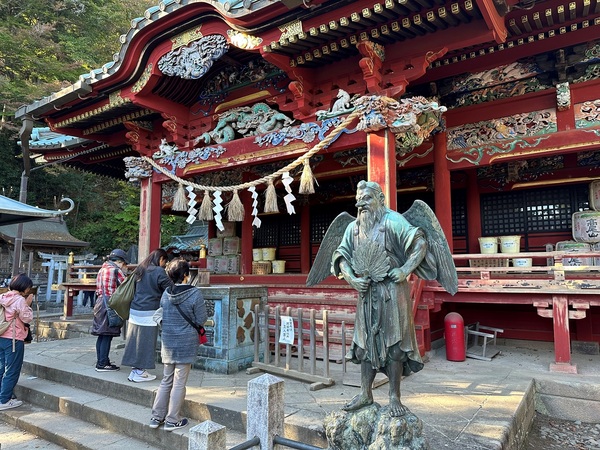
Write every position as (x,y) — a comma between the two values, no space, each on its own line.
(142,332)
(110,276)
(184,311)
(16,306)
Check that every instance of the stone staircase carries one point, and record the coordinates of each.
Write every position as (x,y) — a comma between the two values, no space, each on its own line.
(79,411)
(75,407)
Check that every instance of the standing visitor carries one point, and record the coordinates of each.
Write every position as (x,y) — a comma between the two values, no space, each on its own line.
(17,311)
(179,347)
(142,331)
(110,276)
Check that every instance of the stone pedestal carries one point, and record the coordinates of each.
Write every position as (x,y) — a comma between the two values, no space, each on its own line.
(372,428)
(207,435)
(230,346)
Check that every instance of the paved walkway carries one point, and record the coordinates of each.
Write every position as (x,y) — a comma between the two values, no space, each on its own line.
(464,405)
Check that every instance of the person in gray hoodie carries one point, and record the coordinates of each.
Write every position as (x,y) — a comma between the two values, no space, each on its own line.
(179,344)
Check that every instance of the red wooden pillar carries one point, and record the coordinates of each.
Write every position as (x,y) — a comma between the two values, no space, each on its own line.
(442,189)
(381,164)
(562,338)
(150,213)
(305,249)
(473,211)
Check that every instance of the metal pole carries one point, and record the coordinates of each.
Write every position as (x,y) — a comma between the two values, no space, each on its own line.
(294,444)
(248,444)
(25,135)
(19,236)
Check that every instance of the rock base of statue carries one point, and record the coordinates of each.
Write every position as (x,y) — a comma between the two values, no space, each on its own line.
(372,428)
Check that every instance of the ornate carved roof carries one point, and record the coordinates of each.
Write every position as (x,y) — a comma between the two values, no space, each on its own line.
(130,101)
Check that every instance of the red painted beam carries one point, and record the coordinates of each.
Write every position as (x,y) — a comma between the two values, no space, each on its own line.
(492,19)
(561,142)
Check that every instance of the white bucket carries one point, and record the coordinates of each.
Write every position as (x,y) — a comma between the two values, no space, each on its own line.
(586,226)
(522,262)
(488,245)
(268,253)
(510,244)
(278,266)
(257,254)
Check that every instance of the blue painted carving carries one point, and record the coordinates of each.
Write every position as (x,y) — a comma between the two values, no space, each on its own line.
(245,121)
(474,155)
(306,132)
(192,61)
(183,158)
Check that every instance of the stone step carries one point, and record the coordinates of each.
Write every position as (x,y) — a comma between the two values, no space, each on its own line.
(568,401)
(114,415)
(69,432)
(14,438)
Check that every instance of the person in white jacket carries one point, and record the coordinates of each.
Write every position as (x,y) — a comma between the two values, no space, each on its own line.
(17,309)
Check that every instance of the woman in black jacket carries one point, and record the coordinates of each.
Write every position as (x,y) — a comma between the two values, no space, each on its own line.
(142,332)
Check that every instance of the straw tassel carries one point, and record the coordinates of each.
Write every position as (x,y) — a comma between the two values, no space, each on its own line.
(180,199)
(271,199)
(235,208)
(206,212)
(307,179)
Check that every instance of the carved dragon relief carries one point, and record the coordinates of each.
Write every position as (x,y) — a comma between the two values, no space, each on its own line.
(193,61)
(245,121)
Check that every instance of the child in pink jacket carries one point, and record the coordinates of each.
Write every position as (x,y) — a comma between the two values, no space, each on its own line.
(17,310)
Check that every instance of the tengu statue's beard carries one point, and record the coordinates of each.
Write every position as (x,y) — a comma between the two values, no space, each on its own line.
(368,218)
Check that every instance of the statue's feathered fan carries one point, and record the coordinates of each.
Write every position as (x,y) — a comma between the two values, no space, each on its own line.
(321,268)
(370,261)
(420,215)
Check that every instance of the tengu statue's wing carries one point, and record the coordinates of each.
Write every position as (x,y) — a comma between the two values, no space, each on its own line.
(420,215)
(321,268)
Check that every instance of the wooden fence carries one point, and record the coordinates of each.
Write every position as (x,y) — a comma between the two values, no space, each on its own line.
(312,338)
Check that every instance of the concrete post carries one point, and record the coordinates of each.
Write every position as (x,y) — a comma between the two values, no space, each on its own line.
(207,435)
(265,409)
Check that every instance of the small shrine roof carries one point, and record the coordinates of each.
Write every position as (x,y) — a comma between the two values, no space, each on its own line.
(14,212)
(44,138)
(48,232)
(191,241)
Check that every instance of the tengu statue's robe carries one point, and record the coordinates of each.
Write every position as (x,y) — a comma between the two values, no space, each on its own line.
(384,316)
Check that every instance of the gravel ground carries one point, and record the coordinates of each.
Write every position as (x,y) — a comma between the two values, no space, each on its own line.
(548,433)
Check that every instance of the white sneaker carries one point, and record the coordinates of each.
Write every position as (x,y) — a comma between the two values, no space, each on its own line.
(12,403)
(139,376)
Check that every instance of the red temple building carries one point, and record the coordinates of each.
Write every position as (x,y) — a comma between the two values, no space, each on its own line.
(487,110)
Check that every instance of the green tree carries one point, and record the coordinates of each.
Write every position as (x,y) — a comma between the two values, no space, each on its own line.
(44,46)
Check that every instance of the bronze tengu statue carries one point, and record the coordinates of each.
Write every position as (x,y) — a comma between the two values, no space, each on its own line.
(375,253)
